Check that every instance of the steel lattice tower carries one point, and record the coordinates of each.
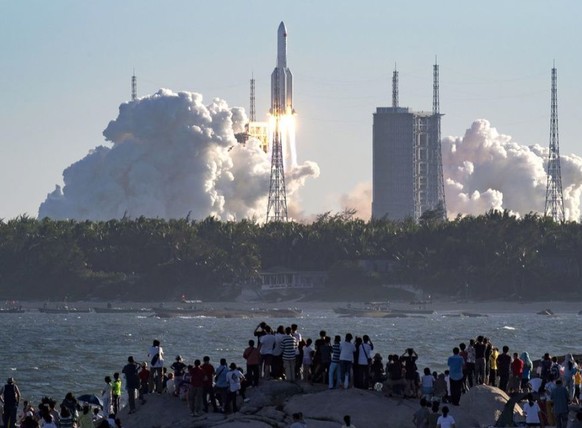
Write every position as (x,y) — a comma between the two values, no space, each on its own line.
(277,204)
(554,196)
(436,111)
(253,113)
(133,87)
(395,87)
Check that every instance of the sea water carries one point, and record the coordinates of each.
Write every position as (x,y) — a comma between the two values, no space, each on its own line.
(52,354)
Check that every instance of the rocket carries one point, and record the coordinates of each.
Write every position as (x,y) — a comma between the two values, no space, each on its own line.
(281,78)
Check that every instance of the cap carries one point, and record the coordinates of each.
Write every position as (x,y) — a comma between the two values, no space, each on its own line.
(178,358)
(10,380)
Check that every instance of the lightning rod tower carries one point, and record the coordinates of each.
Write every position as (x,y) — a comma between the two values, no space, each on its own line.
(277,204)
(395,87)
(253,112)
(554,197)
(440,202)
(133,87)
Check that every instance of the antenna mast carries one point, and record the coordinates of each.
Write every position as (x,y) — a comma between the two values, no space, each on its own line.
(554,197)
(395,87)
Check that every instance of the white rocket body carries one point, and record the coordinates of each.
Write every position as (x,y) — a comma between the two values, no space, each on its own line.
(281,78)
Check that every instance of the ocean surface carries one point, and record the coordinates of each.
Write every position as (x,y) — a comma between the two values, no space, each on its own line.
(52,354)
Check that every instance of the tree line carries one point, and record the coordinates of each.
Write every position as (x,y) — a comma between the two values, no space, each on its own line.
(494,255)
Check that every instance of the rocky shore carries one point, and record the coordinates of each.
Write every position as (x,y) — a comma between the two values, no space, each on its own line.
(273,403)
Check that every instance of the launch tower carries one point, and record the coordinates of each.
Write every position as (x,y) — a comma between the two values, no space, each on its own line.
(554,196)
(281,105)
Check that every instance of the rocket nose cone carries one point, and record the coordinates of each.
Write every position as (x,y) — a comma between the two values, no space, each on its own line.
(282,30)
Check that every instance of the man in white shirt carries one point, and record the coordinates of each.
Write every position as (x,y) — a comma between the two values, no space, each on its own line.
(347,350)
(156,353)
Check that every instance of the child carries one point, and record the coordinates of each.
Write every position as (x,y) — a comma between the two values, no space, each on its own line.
(170,385)
(307,360)
(116,392)
(440,388)
(144,375)
(427,384)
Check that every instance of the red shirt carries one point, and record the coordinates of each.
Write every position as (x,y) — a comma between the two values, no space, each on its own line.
(208,370)
(252,355)
(197,377)
(517,367)
(144,374)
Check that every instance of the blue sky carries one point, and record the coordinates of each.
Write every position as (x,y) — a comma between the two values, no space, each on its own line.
(66,66)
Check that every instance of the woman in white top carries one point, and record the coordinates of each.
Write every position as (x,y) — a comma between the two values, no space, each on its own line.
(446,420)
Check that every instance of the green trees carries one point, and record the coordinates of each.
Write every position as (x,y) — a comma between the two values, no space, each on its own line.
(495,255)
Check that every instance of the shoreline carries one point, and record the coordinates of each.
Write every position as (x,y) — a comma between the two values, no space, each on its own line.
(438,306)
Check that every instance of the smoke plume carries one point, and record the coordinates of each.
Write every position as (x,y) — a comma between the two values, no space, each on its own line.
(171,156)
(486,170)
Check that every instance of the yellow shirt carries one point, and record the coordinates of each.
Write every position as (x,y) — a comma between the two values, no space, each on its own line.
(577,378)
(116,387)
(493,359)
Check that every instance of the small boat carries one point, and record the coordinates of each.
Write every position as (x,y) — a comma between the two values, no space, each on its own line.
(227,312)
(12,310)
(63,310)
(121,310)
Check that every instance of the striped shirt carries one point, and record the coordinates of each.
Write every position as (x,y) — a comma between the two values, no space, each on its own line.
(335,353)
(288,345)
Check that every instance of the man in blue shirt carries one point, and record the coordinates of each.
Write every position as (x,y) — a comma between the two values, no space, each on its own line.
(456,363)
(560,398)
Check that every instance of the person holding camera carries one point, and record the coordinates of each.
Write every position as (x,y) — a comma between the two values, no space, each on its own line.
(409,359)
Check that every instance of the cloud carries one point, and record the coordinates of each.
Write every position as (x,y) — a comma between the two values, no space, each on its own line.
(171,156)
(486,170)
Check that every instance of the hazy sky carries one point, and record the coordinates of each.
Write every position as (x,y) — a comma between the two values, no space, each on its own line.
(66,66)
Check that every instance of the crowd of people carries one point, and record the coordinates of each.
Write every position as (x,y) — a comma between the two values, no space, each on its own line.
(282,353)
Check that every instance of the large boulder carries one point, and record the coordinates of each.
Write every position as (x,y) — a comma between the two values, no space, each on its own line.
(485,404)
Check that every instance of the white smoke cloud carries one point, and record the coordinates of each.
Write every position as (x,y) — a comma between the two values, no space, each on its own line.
(171,156)
(486,170)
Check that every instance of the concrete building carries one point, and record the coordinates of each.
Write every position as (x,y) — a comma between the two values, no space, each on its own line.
(407,177)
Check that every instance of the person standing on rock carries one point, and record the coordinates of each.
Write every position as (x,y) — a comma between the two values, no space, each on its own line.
(560,399)
(10,397)
(207,385)
(130,370)
(334,375)
(347,350)
(455,363)
(504,368)
(196,389)
(156,353)
(267,343)
(480,365)
(253,357)
(289,347)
